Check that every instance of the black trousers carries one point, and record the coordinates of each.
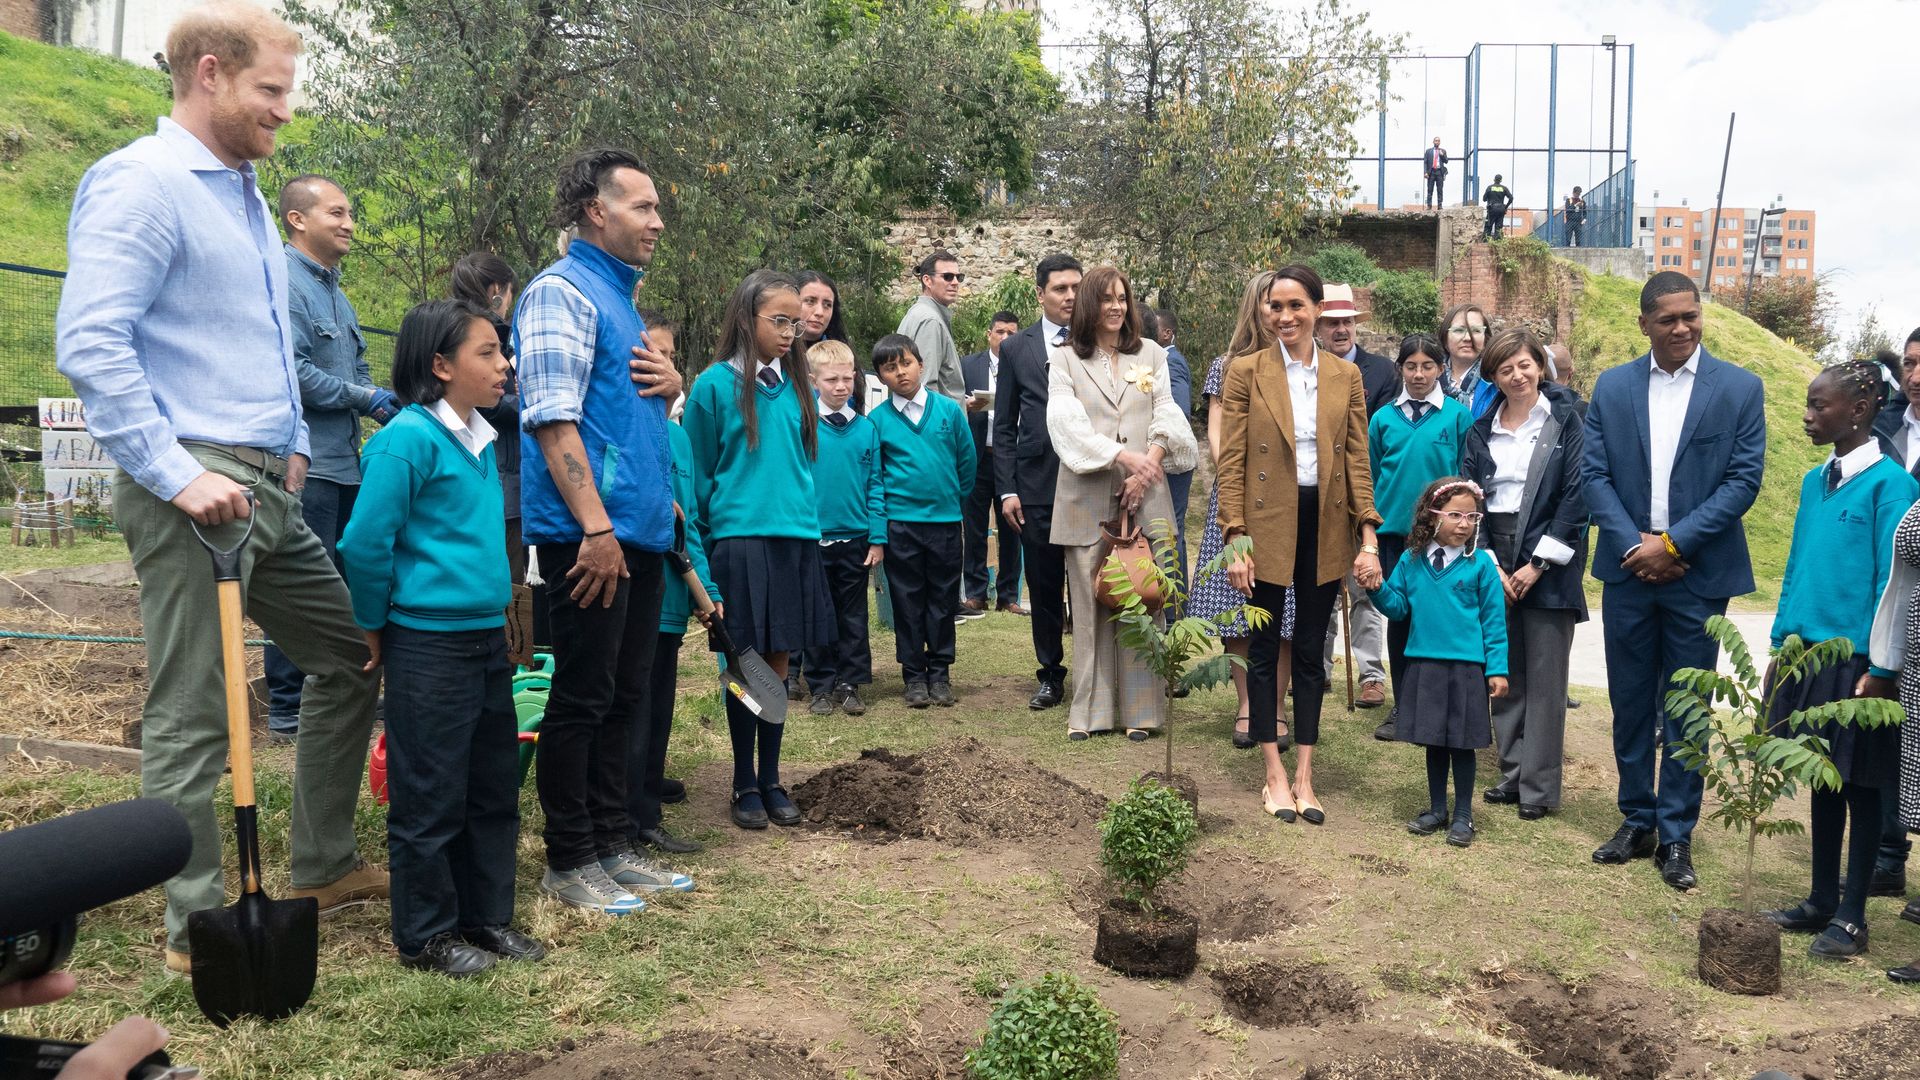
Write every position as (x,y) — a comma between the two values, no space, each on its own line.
(1046,570)
(849,660)
(1496,224)
(1398,630)
(1313,605)
(923,577)
(647,754)
(981,511)
(453,781)
(602,663)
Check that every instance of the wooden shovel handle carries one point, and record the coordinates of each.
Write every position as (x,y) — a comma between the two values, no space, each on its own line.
(234,662)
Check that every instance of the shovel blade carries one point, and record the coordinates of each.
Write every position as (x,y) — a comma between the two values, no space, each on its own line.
(255,957)
(749,678)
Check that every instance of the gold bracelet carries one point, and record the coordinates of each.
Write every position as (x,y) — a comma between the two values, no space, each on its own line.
(1671,550)
(1369,549)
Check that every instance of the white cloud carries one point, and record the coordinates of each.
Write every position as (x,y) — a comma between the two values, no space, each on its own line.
(1825,112)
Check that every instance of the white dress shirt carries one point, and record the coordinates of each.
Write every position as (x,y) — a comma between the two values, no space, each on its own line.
(846,410)
(1051,333)
(1454,553)
(993,387)
(1854,462)
(474,432)
(913,408)
(774,366)
(1512,452)
(1433,399)
(1912,424)
(1303,387)
(1667,398)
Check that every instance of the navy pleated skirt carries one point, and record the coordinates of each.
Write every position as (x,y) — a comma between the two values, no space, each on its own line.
(1869,757)
(775,593)
(1444,703)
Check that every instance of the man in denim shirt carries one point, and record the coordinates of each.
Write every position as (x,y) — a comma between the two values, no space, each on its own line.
(174,331)
(336,390)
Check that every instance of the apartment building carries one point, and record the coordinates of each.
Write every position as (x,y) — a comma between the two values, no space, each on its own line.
(1777,242)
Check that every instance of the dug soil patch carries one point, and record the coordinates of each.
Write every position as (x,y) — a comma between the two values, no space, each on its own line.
(1233,897)
(1282,993)
(1883,1050)
(1602,1029)
(1422,1058)
(683,1055)
(961,792)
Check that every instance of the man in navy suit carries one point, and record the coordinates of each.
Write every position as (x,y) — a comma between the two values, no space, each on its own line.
(1025,468)
(981,371)
(1676,443)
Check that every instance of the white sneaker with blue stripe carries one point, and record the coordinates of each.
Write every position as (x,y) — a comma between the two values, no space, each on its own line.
(637,873)
(589,887)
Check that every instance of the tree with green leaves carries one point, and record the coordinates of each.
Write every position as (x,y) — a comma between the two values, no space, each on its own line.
(779,135)
(1205,134)
(1746,765)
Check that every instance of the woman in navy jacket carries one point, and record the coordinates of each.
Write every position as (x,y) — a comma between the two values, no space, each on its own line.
(1525,454)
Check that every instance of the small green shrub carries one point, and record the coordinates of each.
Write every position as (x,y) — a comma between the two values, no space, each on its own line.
(1008,292)
(1344,264)
(1051,1029)
(1146,837)
(1408,301)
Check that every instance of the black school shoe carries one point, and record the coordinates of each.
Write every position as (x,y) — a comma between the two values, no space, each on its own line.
(506,943)
(780,808)
(1500,796)
(1676,864)
(449,956)
(1049,693)
(1460,834)
(1842,941)
(672,791)
(1426,824)
(1802,917)
(748,811)
(941,691)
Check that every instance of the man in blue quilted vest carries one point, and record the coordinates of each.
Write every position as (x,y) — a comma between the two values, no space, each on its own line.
(596,503)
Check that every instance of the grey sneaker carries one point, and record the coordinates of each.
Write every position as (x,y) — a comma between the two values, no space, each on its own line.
(636,873)
(589,887)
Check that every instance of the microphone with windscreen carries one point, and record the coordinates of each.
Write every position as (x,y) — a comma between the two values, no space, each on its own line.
(52,871)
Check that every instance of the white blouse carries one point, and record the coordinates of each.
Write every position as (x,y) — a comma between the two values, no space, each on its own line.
(1512,453)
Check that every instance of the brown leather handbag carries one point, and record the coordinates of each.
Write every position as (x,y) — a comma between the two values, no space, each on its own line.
(1123,540)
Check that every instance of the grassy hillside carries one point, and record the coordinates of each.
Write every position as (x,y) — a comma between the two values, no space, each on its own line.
(1607,332)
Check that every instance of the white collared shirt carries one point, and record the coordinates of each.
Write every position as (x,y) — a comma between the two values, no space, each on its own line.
(1512,453)
(474,432)
(1912,423)
(1303,387)
(913,408)
(764,365)
(1667,398)
(1433,399)
(1454,552)
(1854,462)
(993,387)
(846,410)
(1049,332)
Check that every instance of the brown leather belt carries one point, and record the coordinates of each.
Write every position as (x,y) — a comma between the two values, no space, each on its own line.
(266,461)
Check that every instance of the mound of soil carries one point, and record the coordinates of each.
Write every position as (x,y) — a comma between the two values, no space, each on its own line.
(1422,1058)
(684,1055)
(1163,945)
(1271,994)
(961,792)
(1602,1029)
(1232,897)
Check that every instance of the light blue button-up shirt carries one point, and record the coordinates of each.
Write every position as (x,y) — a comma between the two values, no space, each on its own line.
(173,323)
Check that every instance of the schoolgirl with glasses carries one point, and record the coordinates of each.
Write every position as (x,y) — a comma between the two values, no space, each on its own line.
(754,427)
(1444,585)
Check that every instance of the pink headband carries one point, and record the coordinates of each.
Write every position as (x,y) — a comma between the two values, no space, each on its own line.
(1440,495)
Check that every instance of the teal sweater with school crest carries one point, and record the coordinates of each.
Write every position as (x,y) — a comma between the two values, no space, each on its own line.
(1406,457)
(1841,554)
(853,504)
(1459,613)
(926,468)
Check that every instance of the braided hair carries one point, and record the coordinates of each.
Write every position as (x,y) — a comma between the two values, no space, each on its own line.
(1426,512)
(1859,380)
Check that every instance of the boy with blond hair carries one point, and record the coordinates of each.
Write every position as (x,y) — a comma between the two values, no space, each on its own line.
(853,529)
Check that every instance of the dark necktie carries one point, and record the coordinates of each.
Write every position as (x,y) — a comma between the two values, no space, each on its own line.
(1419,409)
(1439,559)
(1833,476)
(769,378)
(836,419)
(1060,336)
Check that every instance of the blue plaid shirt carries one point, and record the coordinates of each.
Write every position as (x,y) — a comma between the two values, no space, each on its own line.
(173,321)
(557,328)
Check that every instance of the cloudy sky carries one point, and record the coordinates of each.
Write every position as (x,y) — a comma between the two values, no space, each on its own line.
(1825,100)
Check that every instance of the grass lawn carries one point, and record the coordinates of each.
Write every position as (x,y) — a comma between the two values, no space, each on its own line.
(882,959)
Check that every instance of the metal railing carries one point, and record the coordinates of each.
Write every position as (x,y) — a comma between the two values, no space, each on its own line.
(1609,221)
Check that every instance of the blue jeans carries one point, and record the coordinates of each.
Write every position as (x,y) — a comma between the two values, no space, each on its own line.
(453,781)
(325,506)
(1653,631)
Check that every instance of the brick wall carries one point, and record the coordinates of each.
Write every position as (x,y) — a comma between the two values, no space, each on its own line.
(1397,239)
(1543,300)
(21,18)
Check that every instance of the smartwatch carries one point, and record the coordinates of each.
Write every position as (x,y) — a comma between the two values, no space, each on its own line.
(1539,564)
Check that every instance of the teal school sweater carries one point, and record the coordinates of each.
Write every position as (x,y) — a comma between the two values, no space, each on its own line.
(426,546)
(853,502)
(765,491)
(1841,554)
(1406,457)
(1445,607)
(676,600)
(926,469)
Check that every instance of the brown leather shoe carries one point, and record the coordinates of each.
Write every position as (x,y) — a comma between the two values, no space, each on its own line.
(179,963)
(363,884)
(1372,695)
(1014,608)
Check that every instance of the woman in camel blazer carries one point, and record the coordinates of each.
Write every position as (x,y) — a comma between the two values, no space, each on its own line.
(1114,423)
(1294,478)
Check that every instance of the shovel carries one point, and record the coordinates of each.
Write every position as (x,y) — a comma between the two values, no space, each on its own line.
(746,676)
(256,957)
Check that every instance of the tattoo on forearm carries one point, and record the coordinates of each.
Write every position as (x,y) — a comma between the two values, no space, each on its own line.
(576,472)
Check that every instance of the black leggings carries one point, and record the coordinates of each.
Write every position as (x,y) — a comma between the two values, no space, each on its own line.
(1831,811)
(1312,613)
(1439,759)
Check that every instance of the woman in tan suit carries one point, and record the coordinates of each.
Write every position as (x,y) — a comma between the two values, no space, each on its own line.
(1294,477)
(1118,433)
